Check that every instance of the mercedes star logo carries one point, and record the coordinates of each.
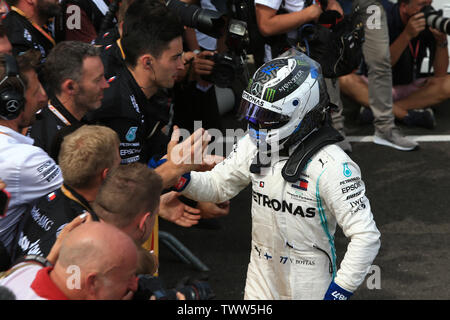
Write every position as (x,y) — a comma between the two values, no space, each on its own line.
(12,105)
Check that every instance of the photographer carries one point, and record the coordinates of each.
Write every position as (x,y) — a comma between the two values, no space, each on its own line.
(410,39)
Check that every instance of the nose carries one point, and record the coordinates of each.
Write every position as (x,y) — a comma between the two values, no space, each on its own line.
(180,64)
(105,83)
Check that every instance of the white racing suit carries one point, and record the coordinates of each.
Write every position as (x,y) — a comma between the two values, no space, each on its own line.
(293,224)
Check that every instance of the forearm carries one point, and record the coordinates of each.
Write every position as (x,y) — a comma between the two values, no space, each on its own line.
(214,187)
(398,46)
(281,23)
(360,254)
(170,173)
(440,64)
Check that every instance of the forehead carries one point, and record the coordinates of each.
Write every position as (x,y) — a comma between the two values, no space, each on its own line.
(92,65)
(175,47)
(418,3)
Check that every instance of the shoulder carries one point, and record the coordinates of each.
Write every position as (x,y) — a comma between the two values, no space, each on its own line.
(334,161)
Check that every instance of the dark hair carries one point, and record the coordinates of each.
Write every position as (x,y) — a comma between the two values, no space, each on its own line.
(403,1)
(27,61)
(148,27)
(65,61)
(129,190)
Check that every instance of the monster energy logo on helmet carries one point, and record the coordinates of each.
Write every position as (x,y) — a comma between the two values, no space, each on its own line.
(270,95)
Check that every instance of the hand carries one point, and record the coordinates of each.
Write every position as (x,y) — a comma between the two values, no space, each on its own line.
(416,24)
(54,252)
(335,292)
(439,36)
(334,5)
(2,185)
(209,210)
(188,155)
(210,161)
(173,210)
(314,11)
(202,65)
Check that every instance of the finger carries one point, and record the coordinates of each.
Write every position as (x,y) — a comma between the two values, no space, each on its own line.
(191,210)
(185,223)
(190,216)
(175,134)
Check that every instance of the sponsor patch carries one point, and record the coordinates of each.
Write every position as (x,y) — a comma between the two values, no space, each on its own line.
(302,185)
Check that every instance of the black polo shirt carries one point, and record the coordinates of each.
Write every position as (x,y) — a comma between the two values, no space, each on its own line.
(24,35)
(137,120)
(403,72)
(52,119)
(47,218)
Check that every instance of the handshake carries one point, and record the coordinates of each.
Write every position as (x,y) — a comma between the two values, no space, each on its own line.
(183,157)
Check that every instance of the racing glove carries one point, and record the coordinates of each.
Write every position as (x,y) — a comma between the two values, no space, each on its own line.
(182,182)
(335,292)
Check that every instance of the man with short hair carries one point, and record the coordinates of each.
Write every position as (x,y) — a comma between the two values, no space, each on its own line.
(27,25)
(86,156)
(104,258)
(147,58)
(410,39)
(75,81)
(28,171)
(129,199)
(143,62)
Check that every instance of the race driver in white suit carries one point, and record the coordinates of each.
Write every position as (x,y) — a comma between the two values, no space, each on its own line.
(302,185)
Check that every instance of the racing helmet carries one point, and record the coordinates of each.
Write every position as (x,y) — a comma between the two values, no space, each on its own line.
(285,100)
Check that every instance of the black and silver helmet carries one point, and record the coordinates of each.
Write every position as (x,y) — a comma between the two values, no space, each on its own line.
(285,100)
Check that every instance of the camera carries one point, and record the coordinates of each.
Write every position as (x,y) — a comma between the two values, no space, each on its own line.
(231,63)
(435,19)
(209,22)
(149,286)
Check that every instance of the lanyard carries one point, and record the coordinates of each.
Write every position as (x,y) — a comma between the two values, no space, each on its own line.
(119,44)
(414,54)
(70,194)
(44,33)
(59,115)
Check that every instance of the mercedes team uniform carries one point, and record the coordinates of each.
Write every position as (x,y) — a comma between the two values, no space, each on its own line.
(52,118)
(47,219)
(25,35)
(137,120)
(293,224)
(29,173)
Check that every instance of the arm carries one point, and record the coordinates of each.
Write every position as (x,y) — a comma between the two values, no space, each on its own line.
(345,198)
(184,157)
(440,63)
(270,23)
(227,178)
(415,25)
(39,175)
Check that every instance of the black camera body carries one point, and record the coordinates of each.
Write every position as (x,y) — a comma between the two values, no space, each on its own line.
(435,19)
(149,286)
(226,66)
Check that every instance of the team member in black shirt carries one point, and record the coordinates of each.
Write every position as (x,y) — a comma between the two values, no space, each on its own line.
(146,59)
(27,25)
(74,75)
(85,158)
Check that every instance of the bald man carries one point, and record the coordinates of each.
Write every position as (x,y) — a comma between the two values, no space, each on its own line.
(96,261)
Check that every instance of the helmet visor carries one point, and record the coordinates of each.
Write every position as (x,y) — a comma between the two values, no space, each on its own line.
(260,117)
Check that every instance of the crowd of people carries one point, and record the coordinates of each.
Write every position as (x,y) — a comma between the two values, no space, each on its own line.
(91,155)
